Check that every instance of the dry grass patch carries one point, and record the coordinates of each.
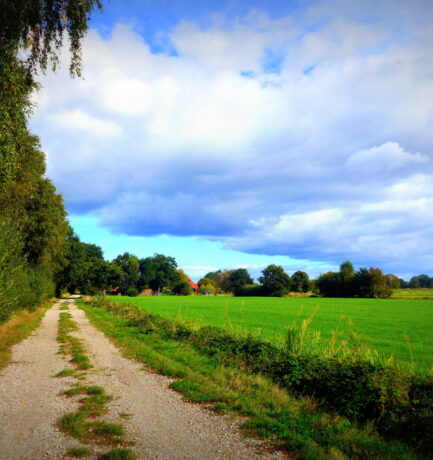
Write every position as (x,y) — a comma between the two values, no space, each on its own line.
(17,329)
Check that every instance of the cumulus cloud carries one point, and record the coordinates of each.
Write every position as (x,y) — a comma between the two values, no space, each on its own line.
(386,157)
(78,120)
(310,138)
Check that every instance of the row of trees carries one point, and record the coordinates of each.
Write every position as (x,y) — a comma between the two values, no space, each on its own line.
(87,272)
(276,282)
(416,282)
(273,282)
(365,282)
(33,225)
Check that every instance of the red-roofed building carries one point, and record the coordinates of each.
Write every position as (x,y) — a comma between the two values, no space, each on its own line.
(194,286)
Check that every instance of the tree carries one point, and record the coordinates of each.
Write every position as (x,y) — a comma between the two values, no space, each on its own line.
(182,287)
(129,265)
(158,272)
(393,281)
(329,284)
(238,279)
(414,282)
(206,281)
(222,280)
(371,283)
(40,27)
(275,281)
(346,269)
(300,282)
(33,226)
(424,281)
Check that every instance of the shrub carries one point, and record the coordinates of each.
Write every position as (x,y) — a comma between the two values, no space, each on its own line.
(250,290)
(182,288)
(132,292)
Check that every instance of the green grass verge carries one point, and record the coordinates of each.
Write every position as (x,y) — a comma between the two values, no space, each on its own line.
(393,327)
(297,425)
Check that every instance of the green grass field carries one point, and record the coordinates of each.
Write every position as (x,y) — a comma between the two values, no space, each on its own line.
(385,325)
(412,294)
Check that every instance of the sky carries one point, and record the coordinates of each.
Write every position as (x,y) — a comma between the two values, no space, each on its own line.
(238,133)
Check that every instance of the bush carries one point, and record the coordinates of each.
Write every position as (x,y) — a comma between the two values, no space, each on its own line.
(182,288)
(250,290)
(132,292)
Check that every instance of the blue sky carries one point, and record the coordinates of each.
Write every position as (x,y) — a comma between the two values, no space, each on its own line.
(242,133)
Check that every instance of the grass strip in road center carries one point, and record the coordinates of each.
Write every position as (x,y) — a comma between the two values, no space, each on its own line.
(83,424)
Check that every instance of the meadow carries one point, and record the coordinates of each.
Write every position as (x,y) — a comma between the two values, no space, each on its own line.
(398,327)
(421,293)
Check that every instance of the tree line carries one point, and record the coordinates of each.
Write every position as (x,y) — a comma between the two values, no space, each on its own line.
(33,225)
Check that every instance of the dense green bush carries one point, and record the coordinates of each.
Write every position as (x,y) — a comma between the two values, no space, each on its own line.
(182,288)
(132,292)
(250,290)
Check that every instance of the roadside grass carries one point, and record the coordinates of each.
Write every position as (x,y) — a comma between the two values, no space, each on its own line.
(398,329)
(119,454)
(297,425)
(82,423)
(20,326)
(78,452)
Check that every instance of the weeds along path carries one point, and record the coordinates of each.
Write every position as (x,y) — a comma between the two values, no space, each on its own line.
(29,403)
(156,418)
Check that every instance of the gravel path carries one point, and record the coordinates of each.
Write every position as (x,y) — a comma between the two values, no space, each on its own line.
(29,401)
(160,422)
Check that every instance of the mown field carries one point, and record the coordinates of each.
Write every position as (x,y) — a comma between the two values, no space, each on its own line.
(402,328)
(412,294)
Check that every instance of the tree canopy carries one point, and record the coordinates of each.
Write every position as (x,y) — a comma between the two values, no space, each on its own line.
(275,281)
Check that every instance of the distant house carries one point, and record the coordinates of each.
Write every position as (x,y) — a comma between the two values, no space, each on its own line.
(194,286)
(146,292)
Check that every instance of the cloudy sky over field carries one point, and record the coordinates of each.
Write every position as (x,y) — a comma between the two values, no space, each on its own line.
(242,133)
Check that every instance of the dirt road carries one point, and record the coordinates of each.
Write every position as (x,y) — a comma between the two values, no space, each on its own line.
(160,422)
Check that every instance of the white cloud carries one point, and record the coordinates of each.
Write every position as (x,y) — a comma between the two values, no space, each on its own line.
(382,158)
(327,157)
(78,120)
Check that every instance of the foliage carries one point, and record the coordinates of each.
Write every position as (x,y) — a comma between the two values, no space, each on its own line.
(207,281)
(300,282)
(207,288)
(371,283)
(85,269)
(238,279)
(33,223)
(275,281)
(132,292)
(250,290)
(158,272)
(40,27)
(182,288)
(129,265)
